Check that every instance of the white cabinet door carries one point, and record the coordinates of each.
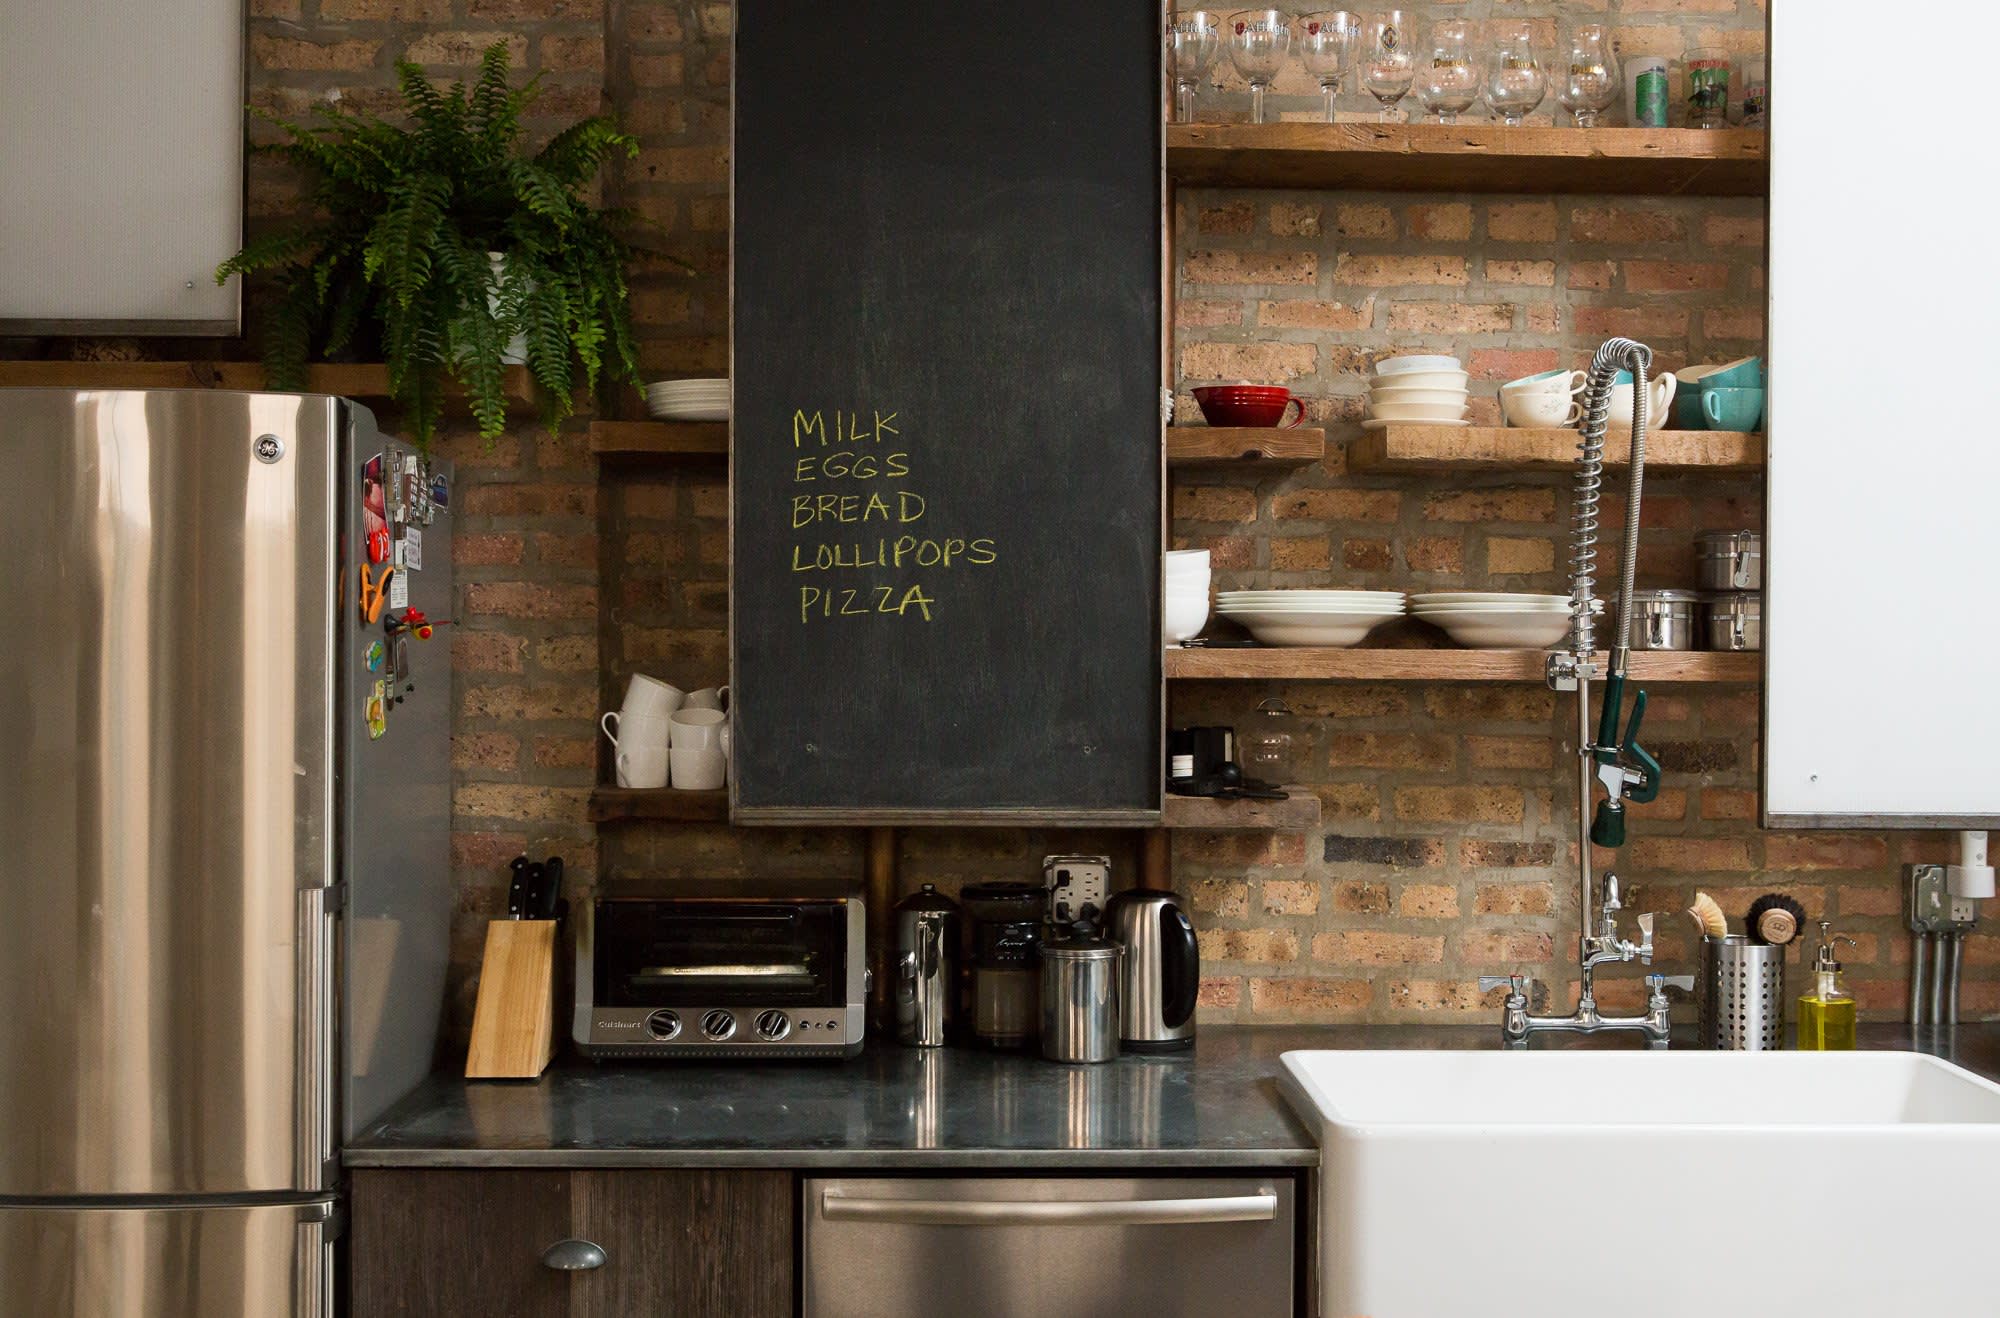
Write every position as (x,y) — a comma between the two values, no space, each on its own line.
(1882,627)
(121,165)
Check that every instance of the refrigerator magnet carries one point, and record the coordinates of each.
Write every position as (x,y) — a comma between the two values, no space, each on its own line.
(376,655)
(378,710)
(440,491)
(375,510)
(399,591)
(413,549)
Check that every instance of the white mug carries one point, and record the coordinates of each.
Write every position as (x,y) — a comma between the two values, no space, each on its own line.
(644,767)
(650,697)
(709,697)
(699,729)
(1543,411)
(698,769)
(1659,398)
(631,731)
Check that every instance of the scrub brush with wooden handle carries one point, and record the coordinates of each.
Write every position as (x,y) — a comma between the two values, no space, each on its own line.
(1775,919)
(1707,913)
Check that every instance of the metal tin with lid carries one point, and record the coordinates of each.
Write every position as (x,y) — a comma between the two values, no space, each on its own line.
(1664,620)
(1733,621)
(1080,999)
(1731,560)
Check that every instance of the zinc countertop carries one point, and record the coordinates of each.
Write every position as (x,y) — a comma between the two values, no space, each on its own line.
(1218,1106)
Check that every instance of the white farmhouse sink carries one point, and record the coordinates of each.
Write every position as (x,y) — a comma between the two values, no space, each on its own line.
(1575,1184)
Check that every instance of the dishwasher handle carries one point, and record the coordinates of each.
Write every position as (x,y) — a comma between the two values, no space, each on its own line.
(1259,1207)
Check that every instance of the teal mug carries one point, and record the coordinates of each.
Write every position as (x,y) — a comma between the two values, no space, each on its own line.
(1732,409)
(1746,374)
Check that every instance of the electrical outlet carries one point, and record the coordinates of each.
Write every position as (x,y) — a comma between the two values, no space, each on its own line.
(1964,913)
(1078,887)
(1929,908)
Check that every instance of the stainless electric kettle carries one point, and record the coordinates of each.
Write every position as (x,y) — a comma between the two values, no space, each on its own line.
(1159,973)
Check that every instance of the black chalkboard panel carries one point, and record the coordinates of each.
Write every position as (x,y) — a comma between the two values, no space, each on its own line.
(945,465)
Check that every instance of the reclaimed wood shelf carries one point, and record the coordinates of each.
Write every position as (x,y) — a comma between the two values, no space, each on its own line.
(1730,162)
(1299,812)
(1205,446)
(362,380)
(1450,448)
(1257,664)
(617,805)
(660,441)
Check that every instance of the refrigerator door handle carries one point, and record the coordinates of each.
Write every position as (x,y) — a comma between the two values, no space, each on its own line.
(317,1065)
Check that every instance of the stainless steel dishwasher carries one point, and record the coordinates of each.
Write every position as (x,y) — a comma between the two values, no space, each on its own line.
(1088,1247)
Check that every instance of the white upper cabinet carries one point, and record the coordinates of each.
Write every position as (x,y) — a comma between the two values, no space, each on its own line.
(1883,550)
(121,165)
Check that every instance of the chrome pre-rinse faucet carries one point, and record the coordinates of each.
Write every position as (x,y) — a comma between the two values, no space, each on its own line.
(1614,758)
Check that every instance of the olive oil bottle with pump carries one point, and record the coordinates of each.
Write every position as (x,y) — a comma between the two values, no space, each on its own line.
(1826,1013)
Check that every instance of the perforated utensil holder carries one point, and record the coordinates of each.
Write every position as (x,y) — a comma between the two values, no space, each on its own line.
(1742,995)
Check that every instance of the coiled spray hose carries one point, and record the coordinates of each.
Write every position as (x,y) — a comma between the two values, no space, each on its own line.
(1625,767)
(1616,355)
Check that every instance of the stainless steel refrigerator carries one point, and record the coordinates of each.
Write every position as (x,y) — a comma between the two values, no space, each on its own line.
(224,805)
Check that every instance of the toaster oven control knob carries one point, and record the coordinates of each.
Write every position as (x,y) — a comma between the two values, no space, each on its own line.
(773,1025)
(718,1025)
(663,1025)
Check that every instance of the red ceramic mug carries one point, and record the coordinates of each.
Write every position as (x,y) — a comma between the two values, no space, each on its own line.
(1253,406)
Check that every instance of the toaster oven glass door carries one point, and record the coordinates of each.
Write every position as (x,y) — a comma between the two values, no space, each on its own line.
(721,954)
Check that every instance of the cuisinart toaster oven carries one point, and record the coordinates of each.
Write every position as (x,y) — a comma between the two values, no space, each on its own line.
(712,972)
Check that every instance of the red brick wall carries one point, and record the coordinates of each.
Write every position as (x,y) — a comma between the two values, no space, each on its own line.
(1448,824)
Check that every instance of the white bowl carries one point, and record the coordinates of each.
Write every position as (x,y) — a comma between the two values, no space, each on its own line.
(1417,412)
(1335,632)
(1393,598)
(1421,380)
(688,411)
(1439,397)
(1410,362)
(1505,632)
(1186,558)
(1572,383)
(1182,620)
(1488,597)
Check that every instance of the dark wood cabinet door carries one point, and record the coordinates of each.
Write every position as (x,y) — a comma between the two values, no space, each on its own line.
(686,1244)
(458,1244)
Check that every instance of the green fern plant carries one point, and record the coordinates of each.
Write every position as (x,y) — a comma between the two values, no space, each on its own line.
(403,219)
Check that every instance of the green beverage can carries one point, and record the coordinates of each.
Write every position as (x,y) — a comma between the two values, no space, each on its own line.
(1652,98)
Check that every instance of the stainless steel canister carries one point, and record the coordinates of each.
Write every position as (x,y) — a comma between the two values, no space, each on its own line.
(1733,622)
(1742,995)
(926,934)
(1080,1000)
(1731,560)
(1664,619)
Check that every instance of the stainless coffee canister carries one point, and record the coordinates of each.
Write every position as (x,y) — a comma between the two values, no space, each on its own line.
(1664,620)
(1080,1000)
(1731,560)
(926,936)
(1733,622)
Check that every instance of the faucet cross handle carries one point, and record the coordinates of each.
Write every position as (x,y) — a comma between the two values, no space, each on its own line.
(1516,985)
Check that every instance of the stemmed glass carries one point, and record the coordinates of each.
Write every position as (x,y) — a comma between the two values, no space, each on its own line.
(1388,65)
(1587,80)
(1259,40)
(1326,44)
(1515,83)
(1194,40)
(1447,79)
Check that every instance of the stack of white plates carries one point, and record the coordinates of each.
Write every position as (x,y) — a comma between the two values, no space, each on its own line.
(1310,617)
(1491,620)
(1185,608)
(1417,390)
(688,400)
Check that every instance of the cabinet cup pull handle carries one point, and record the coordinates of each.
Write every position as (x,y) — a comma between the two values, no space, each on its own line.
(574,1256)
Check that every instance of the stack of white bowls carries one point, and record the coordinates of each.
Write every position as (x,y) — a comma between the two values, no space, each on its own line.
(1310,617)
(688,400)
(1186,606)
(1495,620)
(1417,390)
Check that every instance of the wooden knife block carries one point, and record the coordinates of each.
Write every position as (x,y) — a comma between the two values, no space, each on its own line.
(513,1023)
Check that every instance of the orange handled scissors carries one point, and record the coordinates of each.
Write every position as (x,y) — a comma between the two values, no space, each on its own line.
(374,592)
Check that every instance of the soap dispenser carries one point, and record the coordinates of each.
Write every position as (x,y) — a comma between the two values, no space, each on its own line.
(1826,1013)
